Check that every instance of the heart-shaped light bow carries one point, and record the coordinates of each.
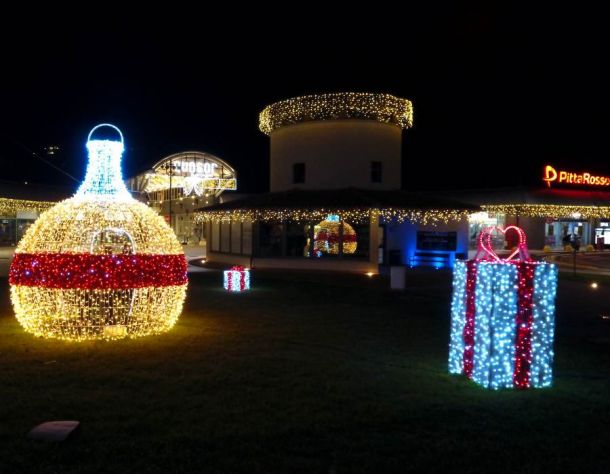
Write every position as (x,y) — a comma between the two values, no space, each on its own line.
(489,253)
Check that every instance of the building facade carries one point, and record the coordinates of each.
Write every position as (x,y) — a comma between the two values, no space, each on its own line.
(20,206)
(180,183)
(335,201)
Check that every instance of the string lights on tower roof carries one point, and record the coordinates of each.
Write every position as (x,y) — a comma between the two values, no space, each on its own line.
(383,108)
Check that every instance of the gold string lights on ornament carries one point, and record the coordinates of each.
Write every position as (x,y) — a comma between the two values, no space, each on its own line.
(99,265)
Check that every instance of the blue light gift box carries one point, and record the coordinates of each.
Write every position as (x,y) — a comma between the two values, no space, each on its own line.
(503,317)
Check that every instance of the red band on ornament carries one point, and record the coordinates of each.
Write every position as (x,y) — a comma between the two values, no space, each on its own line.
(335,238)
(88,271)
(468,333)
(524,320)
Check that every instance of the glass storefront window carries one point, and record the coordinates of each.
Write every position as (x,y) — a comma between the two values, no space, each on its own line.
(325,239)
(479,221)
(246,241)
(270,239)
(559,234)
(602,235)
(298,239)
(7,231)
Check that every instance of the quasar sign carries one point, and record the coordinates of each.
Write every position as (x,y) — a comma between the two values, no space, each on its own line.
(195,172)
(551,175)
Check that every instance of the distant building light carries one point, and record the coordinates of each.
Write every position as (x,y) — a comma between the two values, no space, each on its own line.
(51,149)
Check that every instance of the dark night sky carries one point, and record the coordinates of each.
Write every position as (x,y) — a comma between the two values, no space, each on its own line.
(508,91)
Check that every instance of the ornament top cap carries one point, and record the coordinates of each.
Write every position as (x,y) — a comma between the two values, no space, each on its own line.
(105,125)
(104,179)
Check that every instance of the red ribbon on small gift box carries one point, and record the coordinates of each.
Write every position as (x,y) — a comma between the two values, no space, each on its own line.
(242,278)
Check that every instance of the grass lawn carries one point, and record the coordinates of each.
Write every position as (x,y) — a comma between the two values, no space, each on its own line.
(305,373)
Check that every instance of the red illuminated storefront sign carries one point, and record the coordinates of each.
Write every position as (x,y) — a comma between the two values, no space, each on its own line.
(567,177)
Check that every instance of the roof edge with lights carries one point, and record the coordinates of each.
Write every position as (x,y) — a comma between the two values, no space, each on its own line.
(383,108)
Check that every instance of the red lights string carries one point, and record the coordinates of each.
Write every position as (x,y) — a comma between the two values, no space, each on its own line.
(242,278)
(488,253)
(333,238)
(90,271)
(468,334)
(524,320)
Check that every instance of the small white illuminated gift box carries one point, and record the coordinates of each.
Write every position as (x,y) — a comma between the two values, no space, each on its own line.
(237,279)
(503,317)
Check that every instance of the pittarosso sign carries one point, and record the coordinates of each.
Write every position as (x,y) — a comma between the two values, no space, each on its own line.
(551,175)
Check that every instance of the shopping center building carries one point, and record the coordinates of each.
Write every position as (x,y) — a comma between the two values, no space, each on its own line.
(178,184)
(335,199)
(553,214)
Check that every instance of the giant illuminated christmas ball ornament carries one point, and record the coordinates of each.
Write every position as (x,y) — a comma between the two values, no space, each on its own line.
(327,236)
(99,265)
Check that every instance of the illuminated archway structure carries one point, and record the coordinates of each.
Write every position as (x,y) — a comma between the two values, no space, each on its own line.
(179,183)
(194,172)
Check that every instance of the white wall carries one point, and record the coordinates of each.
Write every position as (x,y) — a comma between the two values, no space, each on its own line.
(337,154)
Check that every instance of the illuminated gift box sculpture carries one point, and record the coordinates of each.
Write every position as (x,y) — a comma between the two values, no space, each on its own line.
(503,317)
(99,265)
(237,279)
